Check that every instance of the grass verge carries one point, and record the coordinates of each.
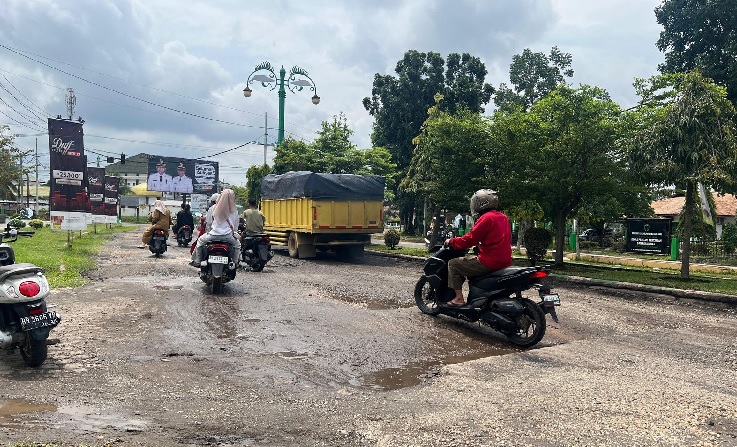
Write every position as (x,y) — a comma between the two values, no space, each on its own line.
(725,283)
(62,264)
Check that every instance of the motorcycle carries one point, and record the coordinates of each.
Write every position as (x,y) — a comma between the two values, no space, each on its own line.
(25,320)
(217,269)
(256,251)
(494,299)
(184,235)
(157,244)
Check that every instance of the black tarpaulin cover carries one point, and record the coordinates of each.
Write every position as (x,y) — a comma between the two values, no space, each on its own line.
(296,184)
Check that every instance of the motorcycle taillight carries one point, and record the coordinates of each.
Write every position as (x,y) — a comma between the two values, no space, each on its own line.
(29,288)
(539,274)
(265,239)
(36,310)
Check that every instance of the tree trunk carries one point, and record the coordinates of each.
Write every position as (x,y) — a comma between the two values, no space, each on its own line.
(687,223)
(524,225)
(560,238)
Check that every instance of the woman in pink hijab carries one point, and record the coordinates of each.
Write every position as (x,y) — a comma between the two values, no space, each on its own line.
(224,226)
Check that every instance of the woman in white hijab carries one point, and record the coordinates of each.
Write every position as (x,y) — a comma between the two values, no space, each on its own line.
(224,226)
(160,217)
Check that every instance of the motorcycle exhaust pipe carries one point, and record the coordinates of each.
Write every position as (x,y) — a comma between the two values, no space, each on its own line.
(6,340)
(499,321)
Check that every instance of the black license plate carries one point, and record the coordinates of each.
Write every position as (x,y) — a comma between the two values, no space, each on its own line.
(38,321)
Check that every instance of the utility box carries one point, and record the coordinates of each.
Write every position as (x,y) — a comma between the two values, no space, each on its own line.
(308,211)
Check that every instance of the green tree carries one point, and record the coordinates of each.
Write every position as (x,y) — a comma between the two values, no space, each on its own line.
(686,138)
(399,105)
(700,34)
(568,153)
(254,175)
(533,76)
(10,157)
(446,166)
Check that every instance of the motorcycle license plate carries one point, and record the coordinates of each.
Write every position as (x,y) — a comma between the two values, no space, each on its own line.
(551,299)
(218,259)
(38,321)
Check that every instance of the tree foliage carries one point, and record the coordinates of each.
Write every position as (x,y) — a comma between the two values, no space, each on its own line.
(533,76)
(254,175)
(700,34)
(332,152)
(686,138)
(10,157)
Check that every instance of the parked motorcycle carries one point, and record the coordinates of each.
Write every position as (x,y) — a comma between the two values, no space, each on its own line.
(157,244)
(184,235)
(256,251)
(25,321)
(494,299)
(217,269)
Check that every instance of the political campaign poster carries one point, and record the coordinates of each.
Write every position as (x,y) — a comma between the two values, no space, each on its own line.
(96,191)
(68,204)
(112,186)
(181,175)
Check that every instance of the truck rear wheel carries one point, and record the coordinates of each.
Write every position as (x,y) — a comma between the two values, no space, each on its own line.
(293,245)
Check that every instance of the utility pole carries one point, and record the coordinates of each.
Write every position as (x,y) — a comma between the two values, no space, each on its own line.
(266,133)
(36,210)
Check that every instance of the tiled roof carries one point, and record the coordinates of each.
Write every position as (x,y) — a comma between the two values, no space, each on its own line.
(726,205)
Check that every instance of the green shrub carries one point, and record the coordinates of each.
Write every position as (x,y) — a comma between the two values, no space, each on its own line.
(391,238)
(17,223)
(43,214)
(537,241)
(36,223)
(729,238)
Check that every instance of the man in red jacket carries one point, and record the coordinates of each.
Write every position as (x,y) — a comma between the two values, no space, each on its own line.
(493,236)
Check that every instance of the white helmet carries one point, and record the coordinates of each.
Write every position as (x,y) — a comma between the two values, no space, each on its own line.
(214,198)
(484,200)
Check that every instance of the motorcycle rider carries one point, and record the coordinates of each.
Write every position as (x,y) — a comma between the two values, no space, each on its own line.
(224,224)
(160,217)
(184,218)
(491,233)
(206,220)
(254,218)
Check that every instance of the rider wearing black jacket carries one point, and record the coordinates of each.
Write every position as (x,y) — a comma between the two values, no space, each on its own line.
(184,217)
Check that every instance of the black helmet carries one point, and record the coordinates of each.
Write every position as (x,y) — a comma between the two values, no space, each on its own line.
(484,200)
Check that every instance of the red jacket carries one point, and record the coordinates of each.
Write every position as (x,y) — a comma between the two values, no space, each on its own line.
(493,235)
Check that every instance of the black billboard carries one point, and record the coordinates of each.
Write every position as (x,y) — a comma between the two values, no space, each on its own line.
(96,189)
(648,236)
(112,185)
(68,165)
(182,175)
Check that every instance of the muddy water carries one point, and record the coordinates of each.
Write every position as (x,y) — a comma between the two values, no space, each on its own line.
(20,414)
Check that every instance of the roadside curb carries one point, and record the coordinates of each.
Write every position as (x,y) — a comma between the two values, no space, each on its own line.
(677,293)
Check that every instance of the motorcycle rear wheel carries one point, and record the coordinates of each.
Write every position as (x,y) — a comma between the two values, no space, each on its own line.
(531,325)
(425,297)
(217,285)
(33,351)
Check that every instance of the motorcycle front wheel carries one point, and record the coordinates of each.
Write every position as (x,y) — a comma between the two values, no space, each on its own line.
(258,266)
(33,351)
(531,325)
(425,297)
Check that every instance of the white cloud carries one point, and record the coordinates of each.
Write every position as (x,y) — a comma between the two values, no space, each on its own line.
(136,65)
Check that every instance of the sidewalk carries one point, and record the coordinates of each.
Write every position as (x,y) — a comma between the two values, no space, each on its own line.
(651,263)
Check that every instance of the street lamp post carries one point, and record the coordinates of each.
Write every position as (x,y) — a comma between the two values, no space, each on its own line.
(294,82)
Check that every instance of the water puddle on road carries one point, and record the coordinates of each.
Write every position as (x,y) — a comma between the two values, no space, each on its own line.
(371,305)
(20,414)
(414,373)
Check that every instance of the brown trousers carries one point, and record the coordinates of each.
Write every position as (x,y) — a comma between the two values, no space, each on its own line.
(460,268)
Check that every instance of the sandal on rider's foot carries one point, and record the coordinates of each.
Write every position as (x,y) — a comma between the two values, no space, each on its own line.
(452,304)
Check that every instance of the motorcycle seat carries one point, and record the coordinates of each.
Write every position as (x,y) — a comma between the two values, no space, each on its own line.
(507,271)
(18,269)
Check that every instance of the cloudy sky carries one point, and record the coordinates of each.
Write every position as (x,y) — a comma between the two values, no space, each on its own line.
(166,77)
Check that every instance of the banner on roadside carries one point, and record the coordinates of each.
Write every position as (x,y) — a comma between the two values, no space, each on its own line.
(96,191)
(112,187)
(181,175)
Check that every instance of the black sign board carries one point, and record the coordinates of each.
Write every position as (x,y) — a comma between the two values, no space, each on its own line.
(648,236)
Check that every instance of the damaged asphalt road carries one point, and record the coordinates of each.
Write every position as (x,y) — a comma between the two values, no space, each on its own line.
(327,353)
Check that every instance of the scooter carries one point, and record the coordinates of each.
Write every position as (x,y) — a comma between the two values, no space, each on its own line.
(157,244)
(494,299)
(256,251)
(184,235)
(25,320)
(216,269)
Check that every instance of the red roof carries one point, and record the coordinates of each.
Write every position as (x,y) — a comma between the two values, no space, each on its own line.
(726,205)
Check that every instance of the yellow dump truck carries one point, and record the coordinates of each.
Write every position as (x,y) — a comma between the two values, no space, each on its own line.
(308,211)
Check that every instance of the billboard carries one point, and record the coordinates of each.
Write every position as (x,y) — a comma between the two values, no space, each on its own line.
(67,165)
(112,186)
(96,190)
(182,175)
